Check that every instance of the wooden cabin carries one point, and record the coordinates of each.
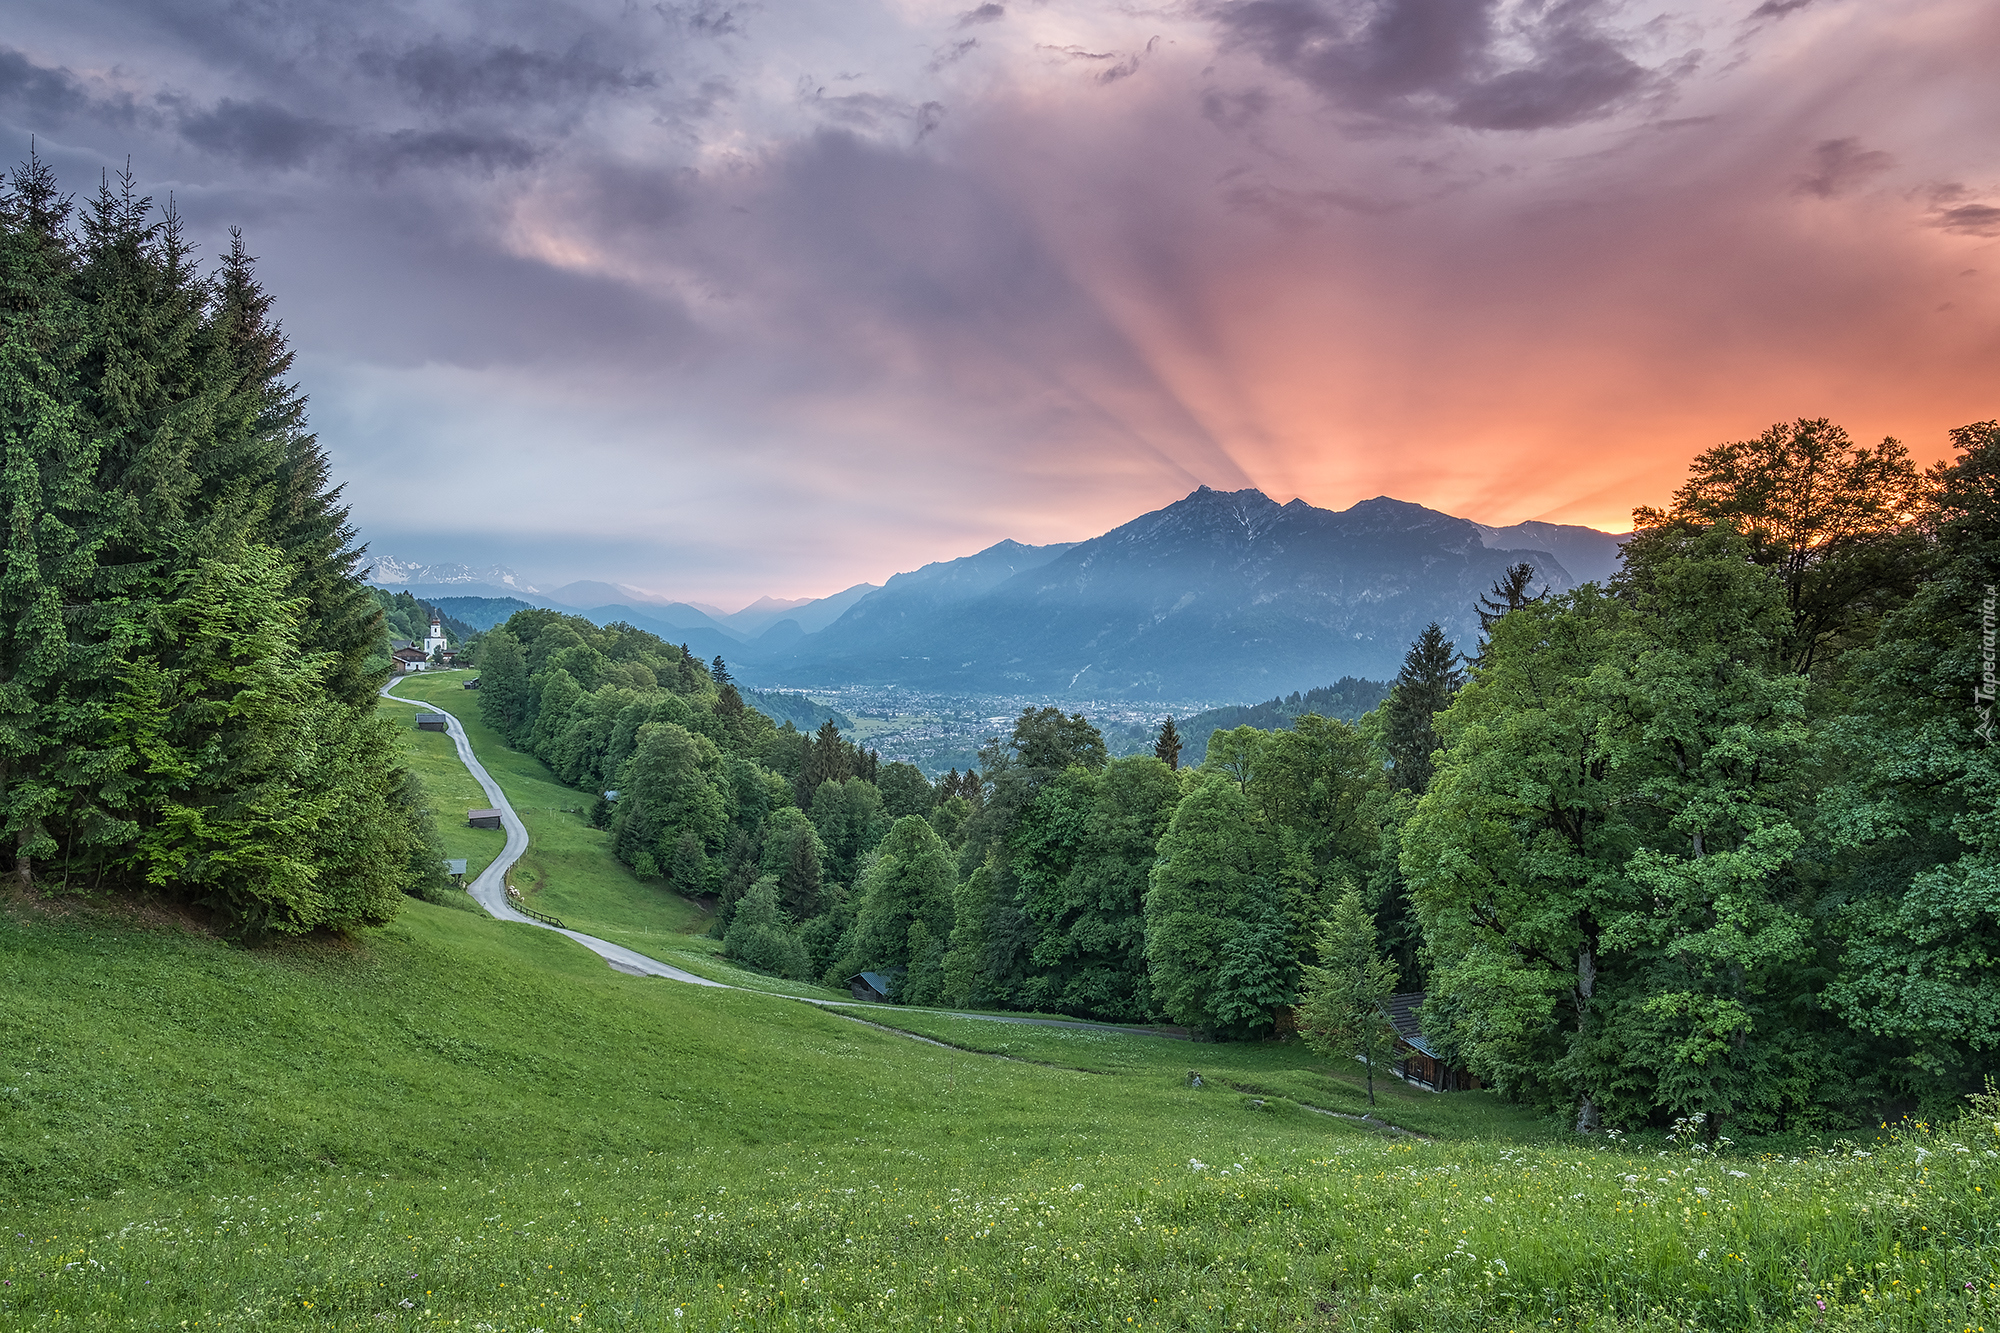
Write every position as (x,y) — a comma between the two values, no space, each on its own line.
(483,818)
(430,722)
(1415,1059)
(872,987)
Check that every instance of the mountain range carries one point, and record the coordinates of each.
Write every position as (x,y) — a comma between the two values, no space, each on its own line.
(1222,595)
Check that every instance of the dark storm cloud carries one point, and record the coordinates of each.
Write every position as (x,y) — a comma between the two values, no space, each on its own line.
(1970,220)
(258,134)
(261,134)
(39,92)
(1445,59)
(481,151)
(453,76)
(706,18)
(614,279)
(1839,165)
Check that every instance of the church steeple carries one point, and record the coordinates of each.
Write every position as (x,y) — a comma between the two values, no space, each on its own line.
(434,642)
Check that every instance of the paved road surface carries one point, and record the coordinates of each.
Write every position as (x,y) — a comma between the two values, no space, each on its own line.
(490,889)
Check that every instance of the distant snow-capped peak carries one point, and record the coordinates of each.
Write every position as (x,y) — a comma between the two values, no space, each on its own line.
(391,572)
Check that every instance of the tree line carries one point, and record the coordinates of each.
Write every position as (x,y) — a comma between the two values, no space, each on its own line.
(186,674)
(1715,837)
(406,617)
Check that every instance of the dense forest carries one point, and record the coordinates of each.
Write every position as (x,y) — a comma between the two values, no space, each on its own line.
(1347,698)
(188,663)
(1713,838)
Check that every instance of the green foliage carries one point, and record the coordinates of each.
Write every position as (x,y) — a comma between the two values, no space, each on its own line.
(188,658)
(795,856)
(759,938)
(1045,741)
(1431,675)
(909,884)
(1081,856)
(905,791)
(851,821)
(1214,913)
(1919,905)
(1340,1011)
(1607,864)
(669,811)
(1828,517)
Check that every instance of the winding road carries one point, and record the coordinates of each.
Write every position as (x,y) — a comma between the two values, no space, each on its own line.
(490,888)
(490,891)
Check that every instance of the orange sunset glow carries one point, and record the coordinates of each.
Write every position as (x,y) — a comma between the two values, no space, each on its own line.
(795,300)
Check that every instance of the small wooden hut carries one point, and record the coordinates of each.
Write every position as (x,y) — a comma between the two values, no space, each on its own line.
(1416,1059)
(873,987)
(483,818)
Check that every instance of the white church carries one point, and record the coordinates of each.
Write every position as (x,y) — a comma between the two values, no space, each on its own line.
(410,657)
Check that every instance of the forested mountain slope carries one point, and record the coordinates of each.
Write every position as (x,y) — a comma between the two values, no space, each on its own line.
(1219,595)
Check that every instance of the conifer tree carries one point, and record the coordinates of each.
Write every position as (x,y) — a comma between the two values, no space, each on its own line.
(1510,593)
(759,938)
(1168,747)
(1424,688)
(56,669)
(200,716)
(1340,1011)
(794,855)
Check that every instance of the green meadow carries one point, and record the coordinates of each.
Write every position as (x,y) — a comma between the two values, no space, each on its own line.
(449,1122)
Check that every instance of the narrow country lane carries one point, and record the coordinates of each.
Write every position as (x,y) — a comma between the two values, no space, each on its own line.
(490,888)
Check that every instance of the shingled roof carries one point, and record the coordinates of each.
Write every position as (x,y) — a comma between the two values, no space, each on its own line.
(1402,1011)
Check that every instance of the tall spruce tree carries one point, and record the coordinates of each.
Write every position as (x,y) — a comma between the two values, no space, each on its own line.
(199,718)
(1167,748)
(1340,1011)
(1432,672)
(1509,593)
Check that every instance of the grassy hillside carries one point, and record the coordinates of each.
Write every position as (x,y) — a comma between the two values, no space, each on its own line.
(568,870)
(451,1122)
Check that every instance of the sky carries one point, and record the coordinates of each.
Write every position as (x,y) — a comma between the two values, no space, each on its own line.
(741,297)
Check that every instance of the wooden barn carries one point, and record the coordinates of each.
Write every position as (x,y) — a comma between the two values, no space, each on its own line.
(483,818)
(1415,1059)
(430,722)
